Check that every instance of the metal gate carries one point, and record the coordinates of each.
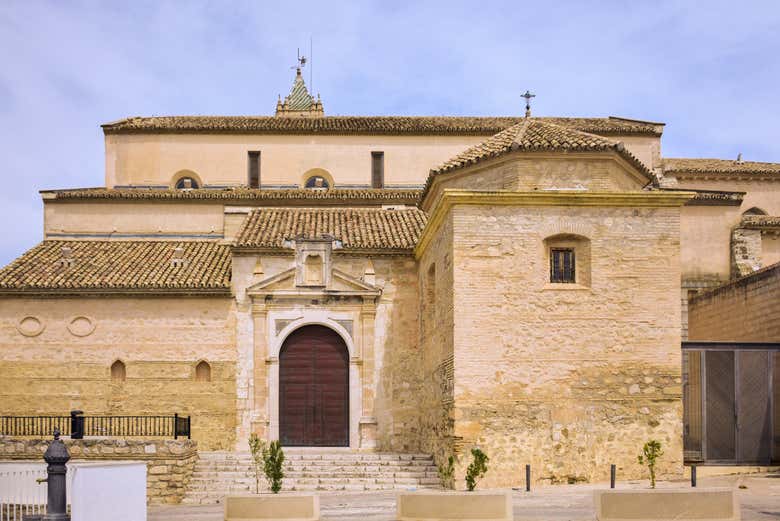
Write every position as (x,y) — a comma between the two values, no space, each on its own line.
(731,400)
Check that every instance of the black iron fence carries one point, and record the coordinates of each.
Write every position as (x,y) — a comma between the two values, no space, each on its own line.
(77,426)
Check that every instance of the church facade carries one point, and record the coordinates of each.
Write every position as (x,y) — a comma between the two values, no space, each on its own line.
(405,284)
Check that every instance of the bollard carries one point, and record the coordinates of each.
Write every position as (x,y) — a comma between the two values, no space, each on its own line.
(76,425)
(612,476)
(56,456)
(528,478)
(693,475)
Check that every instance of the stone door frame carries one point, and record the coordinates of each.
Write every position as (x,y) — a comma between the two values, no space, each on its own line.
(296,320)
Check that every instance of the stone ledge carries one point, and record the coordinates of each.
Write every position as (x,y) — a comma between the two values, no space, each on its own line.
(453,506)
(294,507)
(713,504)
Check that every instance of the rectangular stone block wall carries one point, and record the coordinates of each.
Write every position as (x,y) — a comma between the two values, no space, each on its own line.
(66,365)
(744,310)
(568,378)
(170,463)
(396,348)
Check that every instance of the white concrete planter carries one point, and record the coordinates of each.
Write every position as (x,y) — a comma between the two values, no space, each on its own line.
(454,506)
(706,504)
(266,507)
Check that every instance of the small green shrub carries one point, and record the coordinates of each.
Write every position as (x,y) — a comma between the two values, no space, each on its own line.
(257,447)
(273,460)
(446,472)
(650,453)
(477,468)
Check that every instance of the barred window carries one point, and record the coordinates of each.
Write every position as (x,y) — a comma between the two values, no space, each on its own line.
(562,265)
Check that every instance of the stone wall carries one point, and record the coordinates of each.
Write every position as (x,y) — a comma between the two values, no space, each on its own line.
(435,362)
(567,377)
(57,354)
(744,310)
(170,463)
(381,332)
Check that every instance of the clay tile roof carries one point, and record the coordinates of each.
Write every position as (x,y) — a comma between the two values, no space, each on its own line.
(534,135)
(718,166)
(366,125)
(119,266)
(368,196)
(356,228)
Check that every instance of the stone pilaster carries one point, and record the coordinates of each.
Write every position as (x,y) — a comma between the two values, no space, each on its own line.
(260,416)
(368,422)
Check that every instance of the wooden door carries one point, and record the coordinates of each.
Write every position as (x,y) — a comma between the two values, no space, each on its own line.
(314,389)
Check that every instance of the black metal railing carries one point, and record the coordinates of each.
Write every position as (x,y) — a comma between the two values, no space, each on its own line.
(77,426)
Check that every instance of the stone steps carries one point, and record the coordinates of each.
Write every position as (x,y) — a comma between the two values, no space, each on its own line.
(220,473)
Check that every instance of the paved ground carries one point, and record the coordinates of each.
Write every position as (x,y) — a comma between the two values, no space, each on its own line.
(760,499)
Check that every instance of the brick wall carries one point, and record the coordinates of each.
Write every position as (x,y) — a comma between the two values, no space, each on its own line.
(570,378)
(435,362)
(160,341)
(744,310)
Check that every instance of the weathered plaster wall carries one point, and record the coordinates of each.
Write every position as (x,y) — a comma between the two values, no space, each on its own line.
(170,463)
(567,378)
(744,310)
(763,194)
(705,239)
(99,219)
(770,249)
(160,340)
(222,159)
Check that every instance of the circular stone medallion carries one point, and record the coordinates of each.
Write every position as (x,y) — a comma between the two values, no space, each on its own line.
(81,326)
(30,326)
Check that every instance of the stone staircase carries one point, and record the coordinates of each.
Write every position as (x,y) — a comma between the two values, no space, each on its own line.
(219,473)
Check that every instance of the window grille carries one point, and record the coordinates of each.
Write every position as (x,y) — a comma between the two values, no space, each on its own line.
(562,265)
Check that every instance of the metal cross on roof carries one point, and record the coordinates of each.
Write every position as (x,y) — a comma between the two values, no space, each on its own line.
(528,97)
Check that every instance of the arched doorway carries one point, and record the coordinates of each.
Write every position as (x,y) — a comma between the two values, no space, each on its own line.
(314,389)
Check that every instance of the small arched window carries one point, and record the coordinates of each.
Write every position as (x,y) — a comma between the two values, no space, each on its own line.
(203,372)
(186,183)
(316,181)
(186,180)
(118,371)
(754,211)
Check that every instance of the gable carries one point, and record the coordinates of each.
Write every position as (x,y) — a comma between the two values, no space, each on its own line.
(341,284)
(538,171)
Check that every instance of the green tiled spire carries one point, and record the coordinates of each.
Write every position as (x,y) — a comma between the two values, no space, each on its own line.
(299,102)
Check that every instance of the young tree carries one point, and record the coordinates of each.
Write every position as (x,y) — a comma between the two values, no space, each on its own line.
(650,453)
(257,447)
(477,468)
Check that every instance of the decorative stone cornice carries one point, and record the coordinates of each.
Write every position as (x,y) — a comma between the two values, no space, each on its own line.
(761,222)
(711,197)
(451,197)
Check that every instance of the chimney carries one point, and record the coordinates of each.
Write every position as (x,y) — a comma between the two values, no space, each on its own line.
(66,257)
(178,260)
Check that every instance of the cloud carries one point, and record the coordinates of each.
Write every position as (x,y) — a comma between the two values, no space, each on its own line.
(708,70)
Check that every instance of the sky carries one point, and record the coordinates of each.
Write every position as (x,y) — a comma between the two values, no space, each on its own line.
(710,70)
